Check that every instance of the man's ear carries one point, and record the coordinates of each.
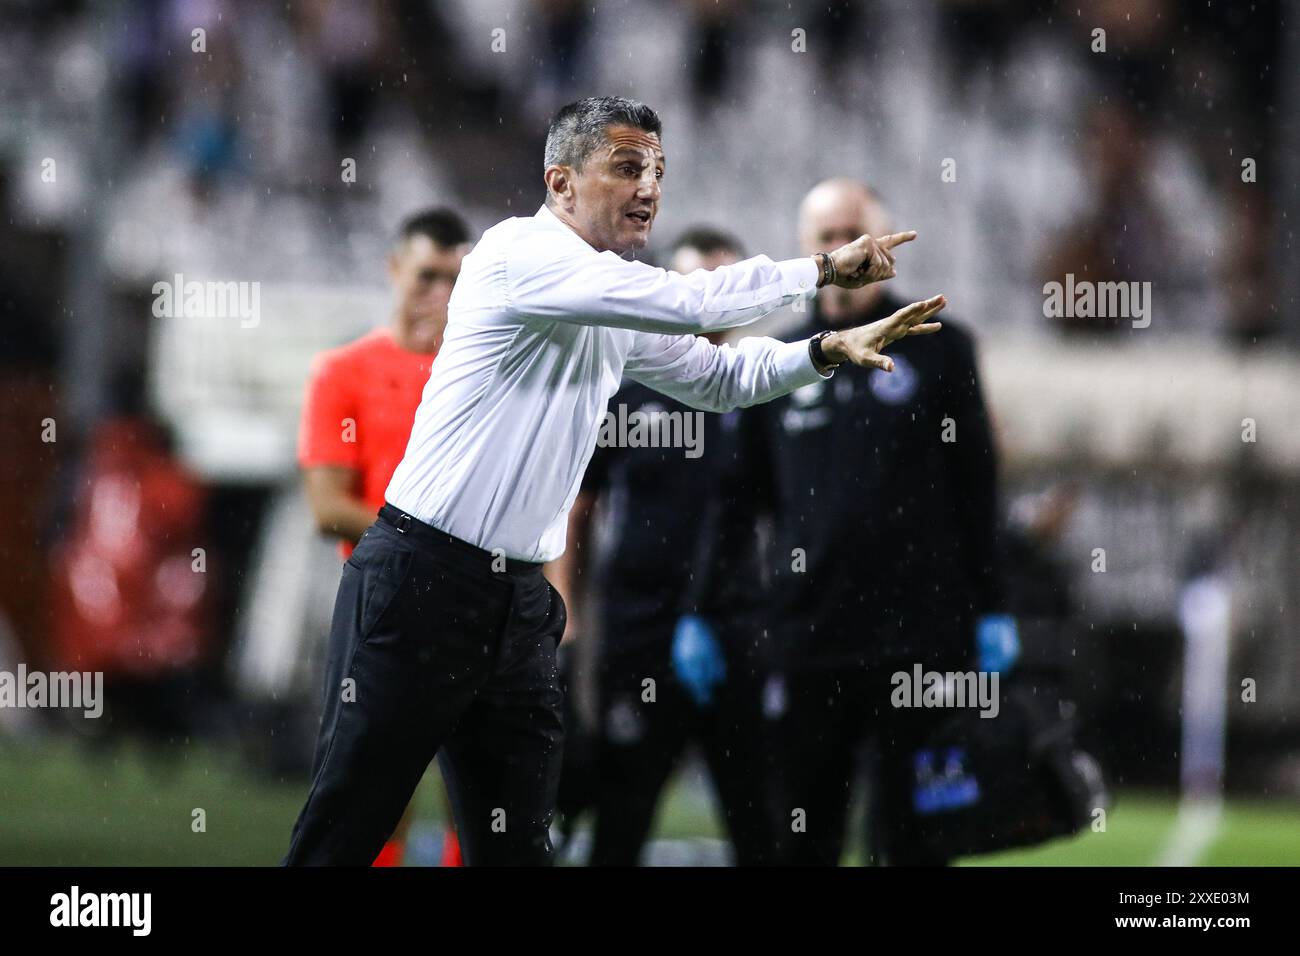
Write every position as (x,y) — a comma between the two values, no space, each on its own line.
(559,182)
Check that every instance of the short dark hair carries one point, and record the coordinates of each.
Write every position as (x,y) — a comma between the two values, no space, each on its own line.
(443,226)
(708,241)
(580,127)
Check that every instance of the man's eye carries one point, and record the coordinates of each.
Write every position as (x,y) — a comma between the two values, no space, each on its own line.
(659,174)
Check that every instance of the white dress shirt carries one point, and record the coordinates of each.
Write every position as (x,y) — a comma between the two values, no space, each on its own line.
(541,328)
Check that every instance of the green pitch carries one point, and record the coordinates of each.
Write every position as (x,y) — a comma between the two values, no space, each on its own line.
(63,805)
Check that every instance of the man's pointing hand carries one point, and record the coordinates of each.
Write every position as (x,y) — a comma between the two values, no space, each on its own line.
(867,259)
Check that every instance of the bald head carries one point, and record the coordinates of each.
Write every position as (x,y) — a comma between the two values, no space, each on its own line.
(835,212)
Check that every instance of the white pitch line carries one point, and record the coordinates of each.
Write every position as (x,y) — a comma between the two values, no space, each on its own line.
(1193,832)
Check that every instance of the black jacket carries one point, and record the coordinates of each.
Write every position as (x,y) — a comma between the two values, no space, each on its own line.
(656,500)
(884,536)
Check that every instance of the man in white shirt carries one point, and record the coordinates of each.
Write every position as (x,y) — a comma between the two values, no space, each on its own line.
(444,632)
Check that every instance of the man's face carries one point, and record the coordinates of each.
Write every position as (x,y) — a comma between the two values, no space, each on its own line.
(613,201)
(422,273)
(832,215)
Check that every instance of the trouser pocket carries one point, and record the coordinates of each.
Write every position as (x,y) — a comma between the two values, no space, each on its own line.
(557,615)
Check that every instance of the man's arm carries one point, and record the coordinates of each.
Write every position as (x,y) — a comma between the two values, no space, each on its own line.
(337,509)
(740,492)
(727,569)
(718,378)
(562,283)
(592,288)
(328,453)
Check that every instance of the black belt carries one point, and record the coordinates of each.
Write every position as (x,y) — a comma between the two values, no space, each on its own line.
(417,530)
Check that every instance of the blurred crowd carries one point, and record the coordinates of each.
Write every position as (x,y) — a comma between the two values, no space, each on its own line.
(223,126)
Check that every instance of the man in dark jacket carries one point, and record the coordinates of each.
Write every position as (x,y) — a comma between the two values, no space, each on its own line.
(882,492)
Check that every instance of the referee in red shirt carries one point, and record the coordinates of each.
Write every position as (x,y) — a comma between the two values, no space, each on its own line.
(362,397)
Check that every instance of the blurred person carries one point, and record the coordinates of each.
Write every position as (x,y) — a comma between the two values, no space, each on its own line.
(445,631)
(716,27)
(882,555)
(353,43)
(35,488)
(566,64)
(205,99)
(129,596)
(1143,41)
(978,35)
(664,623)
(139,49)
(362,397)
(1245,271)
(1125,234)
(1037,575)
(838,32)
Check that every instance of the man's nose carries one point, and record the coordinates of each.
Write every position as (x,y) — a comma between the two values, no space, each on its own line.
(649,188)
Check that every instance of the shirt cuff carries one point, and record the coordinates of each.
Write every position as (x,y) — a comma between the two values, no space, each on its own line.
(799,276)
(795,365)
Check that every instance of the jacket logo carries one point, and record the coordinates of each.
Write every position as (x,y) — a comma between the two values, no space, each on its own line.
(898,386)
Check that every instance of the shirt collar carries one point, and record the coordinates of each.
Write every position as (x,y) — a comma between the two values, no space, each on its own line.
(552,221)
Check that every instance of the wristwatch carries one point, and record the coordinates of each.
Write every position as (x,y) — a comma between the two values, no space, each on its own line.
(819,358)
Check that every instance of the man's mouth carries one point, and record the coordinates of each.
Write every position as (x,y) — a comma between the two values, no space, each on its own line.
(639,216)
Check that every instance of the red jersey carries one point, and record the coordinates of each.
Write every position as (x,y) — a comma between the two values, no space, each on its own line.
(361,402)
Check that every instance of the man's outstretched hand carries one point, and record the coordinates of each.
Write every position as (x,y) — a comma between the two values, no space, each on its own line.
(863,345)
(866,260)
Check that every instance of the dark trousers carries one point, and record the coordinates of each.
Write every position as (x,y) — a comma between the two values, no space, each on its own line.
(832,714)
(640,743)
(436,648)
